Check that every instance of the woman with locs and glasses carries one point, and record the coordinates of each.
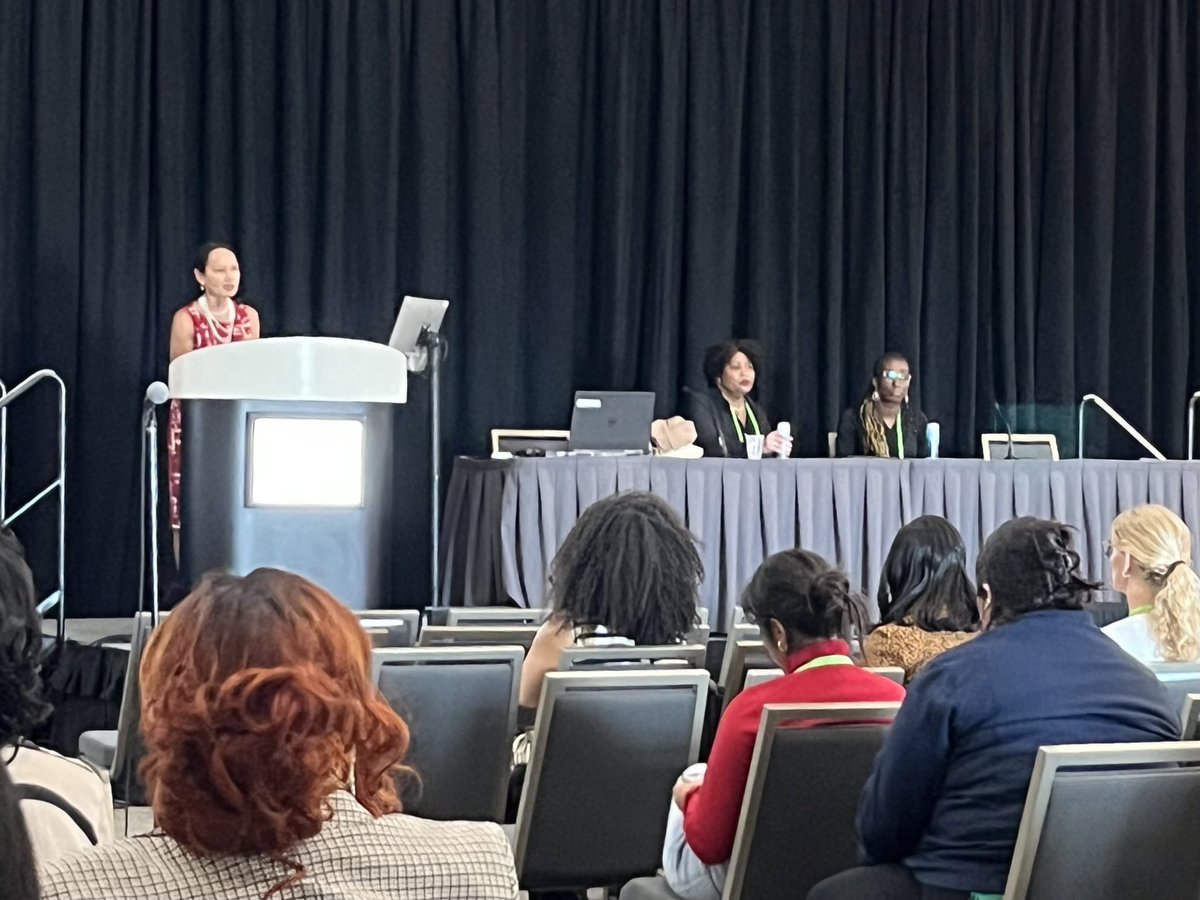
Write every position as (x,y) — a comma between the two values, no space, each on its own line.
(885,424)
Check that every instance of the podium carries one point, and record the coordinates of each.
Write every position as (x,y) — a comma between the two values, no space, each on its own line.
(287,460)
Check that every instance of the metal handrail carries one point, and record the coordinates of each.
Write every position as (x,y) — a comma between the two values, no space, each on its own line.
(56,600)
(1120,420)
(1192,425)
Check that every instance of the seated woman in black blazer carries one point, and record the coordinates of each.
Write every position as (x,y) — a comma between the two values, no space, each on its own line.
(885,423)
(724,413)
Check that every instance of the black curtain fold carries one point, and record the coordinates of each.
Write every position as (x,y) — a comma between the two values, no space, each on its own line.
(1005,190)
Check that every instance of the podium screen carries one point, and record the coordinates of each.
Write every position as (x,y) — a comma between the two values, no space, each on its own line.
(309,462)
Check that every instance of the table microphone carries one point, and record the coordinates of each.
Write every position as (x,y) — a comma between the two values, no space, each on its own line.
(1007,428)
(785,432)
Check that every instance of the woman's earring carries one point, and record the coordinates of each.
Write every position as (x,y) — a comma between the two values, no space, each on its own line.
(782,647)
(874,396)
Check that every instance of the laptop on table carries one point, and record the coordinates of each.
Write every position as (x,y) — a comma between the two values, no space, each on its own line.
(612,423)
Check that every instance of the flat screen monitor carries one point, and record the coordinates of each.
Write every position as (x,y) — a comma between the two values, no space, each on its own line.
(302,461)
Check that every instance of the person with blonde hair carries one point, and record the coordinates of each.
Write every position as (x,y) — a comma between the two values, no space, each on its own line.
(1150,551)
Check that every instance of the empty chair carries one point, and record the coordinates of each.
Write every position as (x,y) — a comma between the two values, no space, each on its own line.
(1180,679)
(590,658)
(460,704)
(478,616)
(740,632)
(743,656)
(518,635)
(606,750)
(1191,717)
(390,627)
(118,751)
(1123,832)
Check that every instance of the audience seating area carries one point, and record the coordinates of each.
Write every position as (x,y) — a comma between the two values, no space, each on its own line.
(616,726)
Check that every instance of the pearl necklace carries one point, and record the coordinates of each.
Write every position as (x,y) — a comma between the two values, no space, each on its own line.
(214,324)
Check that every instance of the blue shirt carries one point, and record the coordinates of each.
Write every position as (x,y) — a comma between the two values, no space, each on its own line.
(948,788)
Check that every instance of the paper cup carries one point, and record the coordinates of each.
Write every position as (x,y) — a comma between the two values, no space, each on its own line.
(754,446)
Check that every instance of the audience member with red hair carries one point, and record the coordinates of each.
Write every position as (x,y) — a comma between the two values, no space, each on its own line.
(271,764)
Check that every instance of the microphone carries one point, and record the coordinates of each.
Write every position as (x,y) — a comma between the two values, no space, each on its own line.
(157,394)
(1007,428)
(785,432)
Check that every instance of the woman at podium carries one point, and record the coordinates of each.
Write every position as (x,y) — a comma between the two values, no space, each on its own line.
(212,319)
(885,424)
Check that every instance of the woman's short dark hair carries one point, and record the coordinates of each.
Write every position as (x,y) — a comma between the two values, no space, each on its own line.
(717,357)
(200,262)
(21,653)
(630,565)
(1031,564)
(924,580)
(805,594)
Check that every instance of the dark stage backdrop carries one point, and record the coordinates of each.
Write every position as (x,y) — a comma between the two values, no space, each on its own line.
(1008,192)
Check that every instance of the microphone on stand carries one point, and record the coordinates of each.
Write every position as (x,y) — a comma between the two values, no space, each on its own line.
(156,394)
(1007,428)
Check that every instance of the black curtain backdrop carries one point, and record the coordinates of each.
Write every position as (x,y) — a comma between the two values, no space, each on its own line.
(1008,192)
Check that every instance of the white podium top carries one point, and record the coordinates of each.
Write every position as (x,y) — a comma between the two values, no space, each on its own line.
(292,368)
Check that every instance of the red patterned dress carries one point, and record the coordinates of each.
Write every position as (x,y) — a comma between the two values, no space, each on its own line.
(204,334)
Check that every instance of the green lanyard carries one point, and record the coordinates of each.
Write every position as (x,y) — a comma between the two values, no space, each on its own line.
(738,425)
(1142,610)
(900,435)
(833,659)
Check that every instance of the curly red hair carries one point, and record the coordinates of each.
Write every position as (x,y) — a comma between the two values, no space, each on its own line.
(257,704)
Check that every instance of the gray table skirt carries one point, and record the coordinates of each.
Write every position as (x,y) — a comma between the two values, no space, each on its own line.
(504,520)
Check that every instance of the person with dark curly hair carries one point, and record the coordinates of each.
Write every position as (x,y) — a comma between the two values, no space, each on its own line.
(805,612)
(628,573)
(725,413)
(66,803)
(271,765)
(940,813)
(926,598)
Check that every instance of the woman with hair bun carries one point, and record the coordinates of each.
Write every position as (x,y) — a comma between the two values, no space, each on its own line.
(805,611)
(940,813)
(1150,551)
(271,764)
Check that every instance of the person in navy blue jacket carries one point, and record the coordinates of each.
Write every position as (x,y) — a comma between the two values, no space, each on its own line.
(939,816)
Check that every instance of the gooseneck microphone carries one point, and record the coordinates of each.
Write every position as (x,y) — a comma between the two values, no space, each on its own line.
(1007,429)
(156,395)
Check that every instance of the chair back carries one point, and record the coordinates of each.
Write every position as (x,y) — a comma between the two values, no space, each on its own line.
(1126,831)
(626,658)
(130,749)
(697,634)
(741,632)
(1191,718)
(460,704)
(743,656)
(1180,679)
(486,616)
(607,748)
(468,635)
(755,677)
(802,792)
(390,627)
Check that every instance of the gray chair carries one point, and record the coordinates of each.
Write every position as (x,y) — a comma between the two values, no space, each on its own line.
(742,656)
(481,616)
(698,634)
(509,635)
(1121,832)
(755,677)
(390,627)
(797,822)
(460,704)
(742,632)
(590,658)
(1191,718)
(1180,679)
(606,751)
(118,751)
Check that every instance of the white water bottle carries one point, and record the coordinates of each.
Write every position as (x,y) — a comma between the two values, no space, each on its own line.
(933,435)
(785,432)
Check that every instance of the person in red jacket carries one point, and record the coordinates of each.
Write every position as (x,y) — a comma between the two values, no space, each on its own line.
(804,607)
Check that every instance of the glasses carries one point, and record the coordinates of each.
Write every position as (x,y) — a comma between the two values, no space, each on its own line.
(894,376)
